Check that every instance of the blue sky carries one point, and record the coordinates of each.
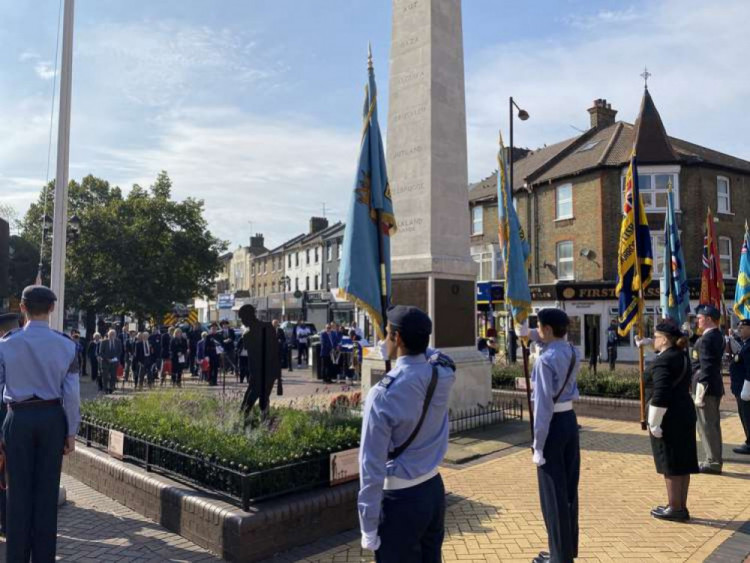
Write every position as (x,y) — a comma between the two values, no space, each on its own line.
(254,106)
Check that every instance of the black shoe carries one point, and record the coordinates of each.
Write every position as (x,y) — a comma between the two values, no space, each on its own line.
(541,558)
(669,513)
(705,468)
(744,449)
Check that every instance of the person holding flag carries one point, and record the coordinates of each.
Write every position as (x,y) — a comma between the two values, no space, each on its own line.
(742,291)
(634,263)
(405,426)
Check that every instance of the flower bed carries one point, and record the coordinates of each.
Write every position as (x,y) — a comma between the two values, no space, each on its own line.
(205,440)
(618,384)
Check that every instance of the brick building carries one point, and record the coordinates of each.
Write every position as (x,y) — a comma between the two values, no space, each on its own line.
(569,199)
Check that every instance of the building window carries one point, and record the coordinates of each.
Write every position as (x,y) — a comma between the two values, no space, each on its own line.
(328,282)
(317,282)
(273,287)
(486,257)
(338,248)
(289,261)
(296,284)
(296,259)
(564,202)
(265,266)
(317,255)
(725,256)
(657,252)
(653,189)
(476,220)
(307,256)
(265,288)
(722,192)
(565,260)
(307,283)
(329,251)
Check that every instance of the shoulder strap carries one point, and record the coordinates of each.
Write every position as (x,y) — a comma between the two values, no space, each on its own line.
(427,400)
(570,372)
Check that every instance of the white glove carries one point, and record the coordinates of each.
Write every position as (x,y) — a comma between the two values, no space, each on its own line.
(735,346)
(371,540)
(655,416)
(538,458)
(745,394)
(640,342)
(700,393)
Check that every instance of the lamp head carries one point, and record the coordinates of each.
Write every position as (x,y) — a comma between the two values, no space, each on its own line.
(523,115)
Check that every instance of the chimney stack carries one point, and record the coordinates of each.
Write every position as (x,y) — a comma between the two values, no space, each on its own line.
(602,114)
(318,224)
(256,241)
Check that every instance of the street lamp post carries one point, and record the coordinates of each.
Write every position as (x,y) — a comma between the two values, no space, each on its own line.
(523,115)
(284,281)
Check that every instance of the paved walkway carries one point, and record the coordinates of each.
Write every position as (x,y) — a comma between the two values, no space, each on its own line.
(494,511)
(93,528)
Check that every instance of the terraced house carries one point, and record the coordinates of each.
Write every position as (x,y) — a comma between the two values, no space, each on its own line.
(569,200)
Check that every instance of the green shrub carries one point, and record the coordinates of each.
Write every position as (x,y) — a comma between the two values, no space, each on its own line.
(623,383)
(214,428)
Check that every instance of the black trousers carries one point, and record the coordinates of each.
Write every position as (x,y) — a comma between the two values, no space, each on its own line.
(558,486)
(244,368)
(327,368)
(612,356)
(302,357)
(34,439)
(743,407)
(412,524)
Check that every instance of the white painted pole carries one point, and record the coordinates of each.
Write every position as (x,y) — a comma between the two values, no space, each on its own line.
(60,220)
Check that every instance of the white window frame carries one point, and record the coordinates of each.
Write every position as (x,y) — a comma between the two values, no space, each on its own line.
(317,255)
(328,281)
(317,282)
(477,216)
(723,197)
(674,171)
(559,261)
(558,200)
(723,257)
(329,251)
(339,244)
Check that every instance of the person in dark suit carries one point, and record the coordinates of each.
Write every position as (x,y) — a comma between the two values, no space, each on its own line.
(739,372)
(110,351)
(328,343)
(178,349)
(93,354)
(672,419)
(212,346)
(228,338)
(709,386)
(281,341)
(144,358)
(263,358)
(194,336)
(612,339)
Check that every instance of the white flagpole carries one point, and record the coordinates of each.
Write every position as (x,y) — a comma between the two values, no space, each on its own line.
(60,221)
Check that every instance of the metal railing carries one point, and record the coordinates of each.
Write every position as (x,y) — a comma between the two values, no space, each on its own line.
(479,417)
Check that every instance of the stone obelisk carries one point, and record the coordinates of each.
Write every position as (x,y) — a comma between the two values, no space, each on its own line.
(427,169)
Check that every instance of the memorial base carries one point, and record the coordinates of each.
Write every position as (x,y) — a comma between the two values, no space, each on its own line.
(473,386)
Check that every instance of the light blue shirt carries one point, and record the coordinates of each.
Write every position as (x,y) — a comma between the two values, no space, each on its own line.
(36,361)
(391,413)
(547,377)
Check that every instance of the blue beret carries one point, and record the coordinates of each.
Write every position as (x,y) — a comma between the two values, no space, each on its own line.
(9,317)
(708,310)
(553,317)
(744,322)
(38,294)
(409,319)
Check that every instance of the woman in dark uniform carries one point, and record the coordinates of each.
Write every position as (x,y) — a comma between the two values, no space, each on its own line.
(671,419)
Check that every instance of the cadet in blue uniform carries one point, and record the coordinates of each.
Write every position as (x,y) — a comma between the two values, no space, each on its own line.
(404,438)
(8,322)
(39,370)
(739,372)
(557,453)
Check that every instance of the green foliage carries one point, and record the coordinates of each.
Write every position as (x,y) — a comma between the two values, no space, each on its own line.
(215,428)
(23,265)
(137,254)
(623,383)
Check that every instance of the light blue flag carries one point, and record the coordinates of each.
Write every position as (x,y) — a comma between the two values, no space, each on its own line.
(513,244)
(675,294)
(742,292)
(365,271)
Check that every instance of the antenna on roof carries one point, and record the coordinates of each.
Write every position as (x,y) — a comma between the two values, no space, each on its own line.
(645,75)
(324,209)
(577,129)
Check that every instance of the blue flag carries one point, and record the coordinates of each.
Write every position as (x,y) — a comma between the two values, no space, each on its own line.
(675,294)
(513,244)
(742,292)
(365,271)
(634,260)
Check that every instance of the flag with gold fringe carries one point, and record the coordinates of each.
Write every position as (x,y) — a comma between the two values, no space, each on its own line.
(712,280)
(742,291)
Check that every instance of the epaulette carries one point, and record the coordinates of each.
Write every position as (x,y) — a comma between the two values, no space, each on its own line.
(62,334)
(10,333)
(386,381)
(440,359)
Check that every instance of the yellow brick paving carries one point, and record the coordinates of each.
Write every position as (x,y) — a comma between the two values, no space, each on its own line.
(494,512)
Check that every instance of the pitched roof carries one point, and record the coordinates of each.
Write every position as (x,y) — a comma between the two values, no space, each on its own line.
(607,147)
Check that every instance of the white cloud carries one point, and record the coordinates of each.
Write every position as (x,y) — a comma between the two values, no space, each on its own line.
(28,56)
(696,52)
(45,70)
(602,18)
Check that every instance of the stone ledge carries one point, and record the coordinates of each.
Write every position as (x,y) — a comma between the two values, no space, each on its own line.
(212,523)
(596,407)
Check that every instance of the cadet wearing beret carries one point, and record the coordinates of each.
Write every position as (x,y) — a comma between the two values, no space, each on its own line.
(709,386)
(39,369)
(556,446)
(8,322)
(404,438)
(739,372)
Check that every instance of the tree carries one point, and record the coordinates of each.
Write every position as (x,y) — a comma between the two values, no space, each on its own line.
(9,213)
(23,264)
(137,254)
